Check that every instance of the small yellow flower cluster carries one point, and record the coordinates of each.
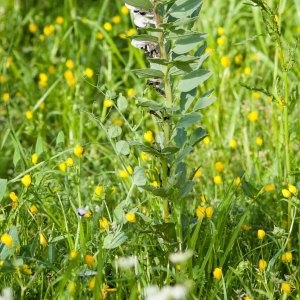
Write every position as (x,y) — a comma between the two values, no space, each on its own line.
(198,173)
(70,78)
(32,27)
(98,190)
(78,150)
(287,257)
(89,260)
(48,30)
(43,80)
(290,191)
(124,173)
(69,162)
(59,20)
(104,223)
(259,141)
(88,72)
(202,211)
(14,198)
(269,188)
(286,288)
(5,97)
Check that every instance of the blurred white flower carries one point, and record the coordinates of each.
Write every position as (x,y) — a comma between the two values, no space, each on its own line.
(176,292)
(7,294)
(150,48)
(180,257)
(127,262)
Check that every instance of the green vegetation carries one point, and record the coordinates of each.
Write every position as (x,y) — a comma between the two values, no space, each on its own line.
(185,187)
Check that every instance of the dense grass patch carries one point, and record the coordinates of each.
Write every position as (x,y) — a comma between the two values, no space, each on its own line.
(75,222)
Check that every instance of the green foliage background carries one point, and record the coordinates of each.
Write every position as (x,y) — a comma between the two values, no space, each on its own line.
(247,77)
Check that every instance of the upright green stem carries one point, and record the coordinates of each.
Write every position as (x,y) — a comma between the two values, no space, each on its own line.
(166,123)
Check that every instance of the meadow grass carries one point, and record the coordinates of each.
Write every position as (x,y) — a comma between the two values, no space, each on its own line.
(74,224)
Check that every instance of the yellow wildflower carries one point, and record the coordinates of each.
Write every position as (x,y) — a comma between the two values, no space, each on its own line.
(69,76)
(220,31)
(70,64)
(131,32)
(26,180)
(259,141)
(5,97)
(29,114)
(247,71)
(92,283)
(287,257)
(71,288)
(88,72)
(293,189)
(221,41)
(217,273)
(238,59)
(144,156)
(233,144)
(13,197)
(130,217)
(262,264)
(131,92)
(269,188)
(206,140)
(261,234)
(116,19)
(107,26)
(69,162)
(253,116)
(89,260)
(62,167)
(43,240)
(200,212)
(104,223)
(198,173)
(286,287)
(237,181)
(32,28)
(48,30)
(33,209)
(124,10)
(99,35)
(218,180)
(73,254)
(108,103)
(7,240)
(78,150)
(148,136)
(59,20)
(34,158)
(26,269)
(225,61)
(98,190)
(256,95)
(209,212)
(286,193)
(219,167)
